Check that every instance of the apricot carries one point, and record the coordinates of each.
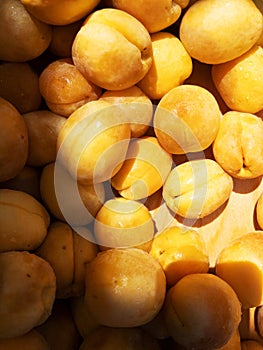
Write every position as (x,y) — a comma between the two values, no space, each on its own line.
(43,127)
(238,146)
(13,141)
(27,293)
(23,37)
(64,88)
(239,81)
(145,169)
(243,255)
(124,287)
(92,146)
(202,311)
(123,223)
(180,252)
(112,49)
(138,102)
(61,249)
(154,15)
(67,200)
(186,119)
(51,12)
(132,338)
(23,221)
(19,84)
(57,249)
(85,250)
(218,31)
(195,189)
(170,67)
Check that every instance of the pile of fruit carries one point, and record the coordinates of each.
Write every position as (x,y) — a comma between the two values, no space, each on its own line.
(131,164)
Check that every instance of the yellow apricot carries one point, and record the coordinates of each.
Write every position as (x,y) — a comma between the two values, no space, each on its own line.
(202,311)
(197,188)
(93,141)
(145,169)
(240,81)
(112,49)
(124,287)
(61,248)
(23,221)
(67,200)
(64,88)
(238,146)
(24,276)
(243,257)
(180,252)
(170,67)
(122,223)
(186,119)
(217,31)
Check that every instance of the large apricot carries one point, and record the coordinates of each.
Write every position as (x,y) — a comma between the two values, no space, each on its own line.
(27,294)
(112,49)
(23,221)
(217,31)
(202,311)
(124,287)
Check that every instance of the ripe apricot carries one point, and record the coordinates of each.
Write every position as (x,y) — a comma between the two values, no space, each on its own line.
(180,252)
(124,287)
(186,119)
(243,256)
(112,49)
(202,311)
(170,67)
(238,146)
(239,81)
(217,31)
